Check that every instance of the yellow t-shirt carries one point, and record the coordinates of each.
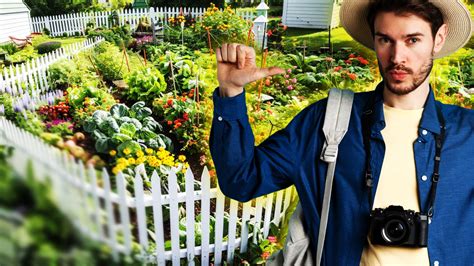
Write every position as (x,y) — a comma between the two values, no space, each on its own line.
(397,184)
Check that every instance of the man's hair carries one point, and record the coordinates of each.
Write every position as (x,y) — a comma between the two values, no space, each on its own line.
(421,8)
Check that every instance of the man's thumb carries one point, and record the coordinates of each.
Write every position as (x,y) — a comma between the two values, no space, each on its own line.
(264,72)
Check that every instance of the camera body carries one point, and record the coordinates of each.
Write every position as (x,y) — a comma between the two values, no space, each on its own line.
(394,226)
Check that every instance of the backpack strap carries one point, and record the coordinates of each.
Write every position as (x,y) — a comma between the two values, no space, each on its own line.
(336,123)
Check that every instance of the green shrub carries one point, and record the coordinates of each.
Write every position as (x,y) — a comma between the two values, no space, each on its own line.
(109,61)
(10,48)
(47,47)
(145,85)
(46,31)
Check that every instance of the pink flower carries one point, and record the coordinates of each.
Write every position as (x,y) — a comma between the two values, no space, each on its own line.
(287,76)
(294,80)
(289,70)
(290,88)
(272,239)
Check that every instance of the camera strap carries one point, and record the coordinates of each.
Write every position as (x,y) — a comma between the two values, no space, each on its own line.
(367,121)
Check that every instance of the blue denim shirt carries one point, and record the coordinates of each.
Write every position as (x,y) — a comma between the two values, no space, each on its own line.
(292,157)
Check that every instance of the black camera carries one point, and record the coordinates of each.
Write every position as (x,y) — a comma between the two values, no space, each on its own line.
(394,226)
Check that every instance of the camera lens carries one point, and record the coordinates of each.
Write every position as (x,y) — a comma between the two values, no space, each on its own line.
(394,231)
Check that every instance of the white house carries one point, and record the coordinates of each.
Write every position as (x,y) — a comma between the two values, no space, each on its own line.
(15,20)
(314,14)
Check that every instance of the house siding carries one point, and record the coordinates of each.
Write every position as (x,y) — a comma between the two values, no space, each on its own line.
(310,13)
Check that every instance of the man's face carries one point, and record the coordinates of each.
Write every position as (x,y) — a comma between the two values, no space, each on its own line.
(404,47)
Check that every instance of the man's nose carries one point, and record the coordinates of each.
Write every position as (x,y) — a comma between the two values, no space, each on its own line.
(399,53)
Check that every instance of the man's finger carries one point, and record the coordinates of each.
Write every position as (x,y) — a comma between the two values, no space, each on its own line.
(224,52)
(241,55)
(218,55)
(264,72)
(231,53)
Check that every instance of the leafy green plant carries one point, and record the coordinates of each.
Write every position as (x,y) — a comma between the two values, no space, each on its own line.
(125,128)
(145,85)
(223,27)
(109,61)
(85,100)
(47,47)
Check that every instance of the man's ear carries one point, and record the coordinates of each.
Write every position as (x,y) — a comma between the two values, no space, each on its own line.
(440,38)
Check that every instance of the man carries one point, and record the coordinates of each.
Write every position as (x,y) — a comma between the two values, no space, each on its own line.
(403,126)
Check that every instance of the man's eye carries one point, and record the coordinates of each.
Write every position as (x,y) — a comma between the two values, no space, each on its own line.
(384,40)
(413,40)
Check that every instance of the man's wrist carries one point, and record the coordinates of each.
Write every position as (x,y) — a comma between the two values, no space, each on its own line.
(230,92)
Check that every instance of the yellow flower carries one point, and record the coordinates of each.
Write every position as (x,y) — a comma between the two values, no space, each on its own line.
(140,160)
(131,161)
(115,170)
(121,160)
(126,151)
(161,149)
(149,151)
(140,154)
(182,158)
(113,153)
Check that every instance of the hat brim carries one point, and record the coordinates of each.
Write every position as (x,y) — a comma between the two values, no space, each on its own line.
(353,17)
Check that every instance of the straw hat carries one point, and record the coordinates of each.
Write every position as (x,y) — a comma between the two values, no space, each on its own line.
(353,16)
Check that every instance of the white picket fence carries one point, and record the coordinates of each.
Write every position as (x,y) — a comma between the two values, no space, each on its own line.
(75,23)
(31,75)
(102,208)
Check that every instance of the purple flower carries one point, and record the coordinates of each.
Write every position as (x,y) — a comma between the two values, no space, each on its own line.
(20,91)
(50,100)
(8,89)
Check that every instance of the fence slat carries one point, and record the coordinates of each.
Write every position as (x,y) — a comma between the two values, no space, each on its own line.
(141,217)
(268,215)
(219,228)
(190,221)
(245,226)
(232,230)
(158,218)
(174,218)
(205,206)
(124,214)
(258,218)
(110,214)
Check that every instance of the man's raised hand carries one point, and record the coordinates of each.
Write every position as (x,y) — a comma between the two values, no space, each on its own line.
(236,67)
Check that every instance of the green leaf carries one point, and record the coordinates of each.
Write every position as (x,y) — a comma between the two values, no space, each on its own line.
(99,135)
(99,116)
(103,145)
(128,129)
(119,110)
(133,146)
(119,137)
(89,126)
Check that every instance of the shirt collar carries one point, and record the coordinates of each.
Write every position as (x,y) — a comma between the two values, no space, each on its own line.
(429,118)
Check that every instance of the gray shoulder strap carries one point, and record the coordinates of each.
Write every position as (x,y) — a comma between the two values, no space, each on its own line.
(336,123)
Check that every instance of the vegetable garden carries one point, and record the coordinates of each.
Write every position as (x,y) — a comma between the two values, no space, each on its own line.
(130,108)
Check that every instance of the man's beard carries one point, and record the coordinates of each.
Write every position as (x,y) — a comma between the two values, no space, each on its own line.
(418,78)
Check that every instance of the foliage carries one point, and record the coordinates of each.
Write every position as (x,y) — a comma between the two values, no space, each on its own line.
(86,100)
(145,85)
(276,31)
(36,229)
(109,61)
(184,117)
(47,47)
(223,26)
(9,48)
(119,35)
(125,128)
(257,254)
(72,72)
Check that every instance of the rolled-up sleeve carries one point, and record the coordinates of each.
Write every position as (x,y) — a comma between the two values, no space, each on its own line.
(243,170)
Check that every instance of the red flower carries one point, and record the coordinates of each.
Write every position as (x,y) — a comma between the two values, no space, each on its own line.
(362,60)
(337,68)
(265,255)
(269,33)
(352,76)
(352,56)
(169,102)
(170,122)
(185,116)
(348,61)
